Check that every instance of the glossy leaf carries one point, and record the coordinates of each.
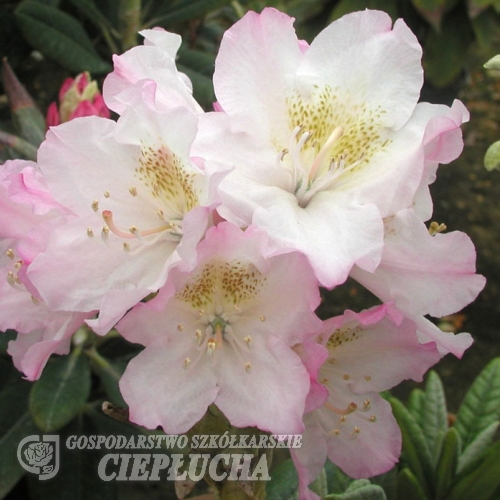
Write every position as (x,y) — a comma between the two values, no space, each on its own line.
(481,405)
(184,10)
(61,392)
(59,36)
(15,424)
(447,464)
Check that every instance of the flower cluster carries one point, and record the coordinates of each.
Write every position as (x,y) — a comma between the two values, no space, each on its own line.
(205,237)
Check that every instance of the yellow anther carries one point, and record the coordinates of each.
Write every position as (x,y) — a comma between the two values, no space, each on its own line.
(95,205)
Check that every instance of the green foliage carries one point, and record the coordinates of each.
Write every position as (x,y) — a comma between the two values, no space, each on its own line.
(442,462)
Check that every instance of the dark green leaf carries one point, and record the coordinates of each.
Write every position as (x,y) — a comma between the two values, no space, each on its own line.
(416,404)
(434,417)
(481,483)
(61,392)
(59,36)
(337,481)
(415,448)
(184,10)
(408,486)
(481,405)
(447,464)
(5,338)
(15,424)
(284,482)
(78,477)
(203,89)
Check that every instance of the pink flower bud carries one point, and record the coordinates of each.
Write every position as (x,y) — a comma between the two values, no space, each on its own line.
(78,97)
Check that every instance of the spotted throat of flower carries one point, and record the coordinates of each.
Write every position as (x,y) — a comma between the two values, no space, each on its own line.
(330,139)
(220,297)
(164,190)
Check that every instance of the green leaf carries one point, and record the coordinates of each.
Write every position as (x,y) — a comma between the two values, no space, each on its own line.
(199,61)
(346,6)
(284,482)
(408,486)
(360,489)
(203,89)
(415,448)
(476,449)
(77,478)
(482,482)
(15,424)
(434,416)
(444,50)
(337,480)
(59,36)
(320,484)
(447,464)
(184,10)
(415,405)
(492,157)
(61,391)
(481,405)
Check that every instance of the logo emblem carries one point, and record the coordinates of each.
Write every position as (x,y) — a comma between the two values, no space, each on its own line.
(39,455)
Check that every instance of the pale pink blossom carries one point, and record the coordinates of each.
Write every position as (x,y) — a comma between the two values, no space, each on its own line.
(29,214)
(350,423)
(330,145)
(223,334)
(141,206)
(425,274)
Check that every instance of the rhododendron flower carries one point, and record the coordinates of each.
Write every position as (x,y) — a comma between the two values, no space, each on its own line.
(141,206)
(78,96)
(425,274)
(330,145)
(223,334)
(28,212)
(365,354)
(153,62)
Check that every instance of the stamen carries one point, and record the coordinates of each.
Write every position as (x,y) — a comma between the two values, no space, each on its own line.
(187,362)
(367,405)
(248,340)
(95,205)
(18,264)
(262,318)
(107,215)
(211,345)
(199,337)
(335,432)
(126,246)
(90,232)
(106,194)
(180,327)
(372,418)
(105,232)
(435,228)
(133,191)
(248,366)
(160,214)
(367,378)
(35,300)
(355,431)
(10,253)
(346,376)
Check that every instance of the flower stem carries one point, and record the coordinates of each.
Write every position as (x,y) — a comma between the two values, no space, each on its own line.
(130,18)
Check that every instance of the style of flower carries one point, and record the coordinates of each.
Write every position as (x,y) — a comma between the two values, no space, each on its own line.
(78,96)
(141,206)
(223,334)
(331,145)
(363,354)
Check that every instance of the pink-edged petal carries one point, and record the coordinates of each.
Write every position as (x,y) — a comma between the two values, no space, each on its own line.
(266,48)
(423,274)
(160,391)
(446,342)
(262,395)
